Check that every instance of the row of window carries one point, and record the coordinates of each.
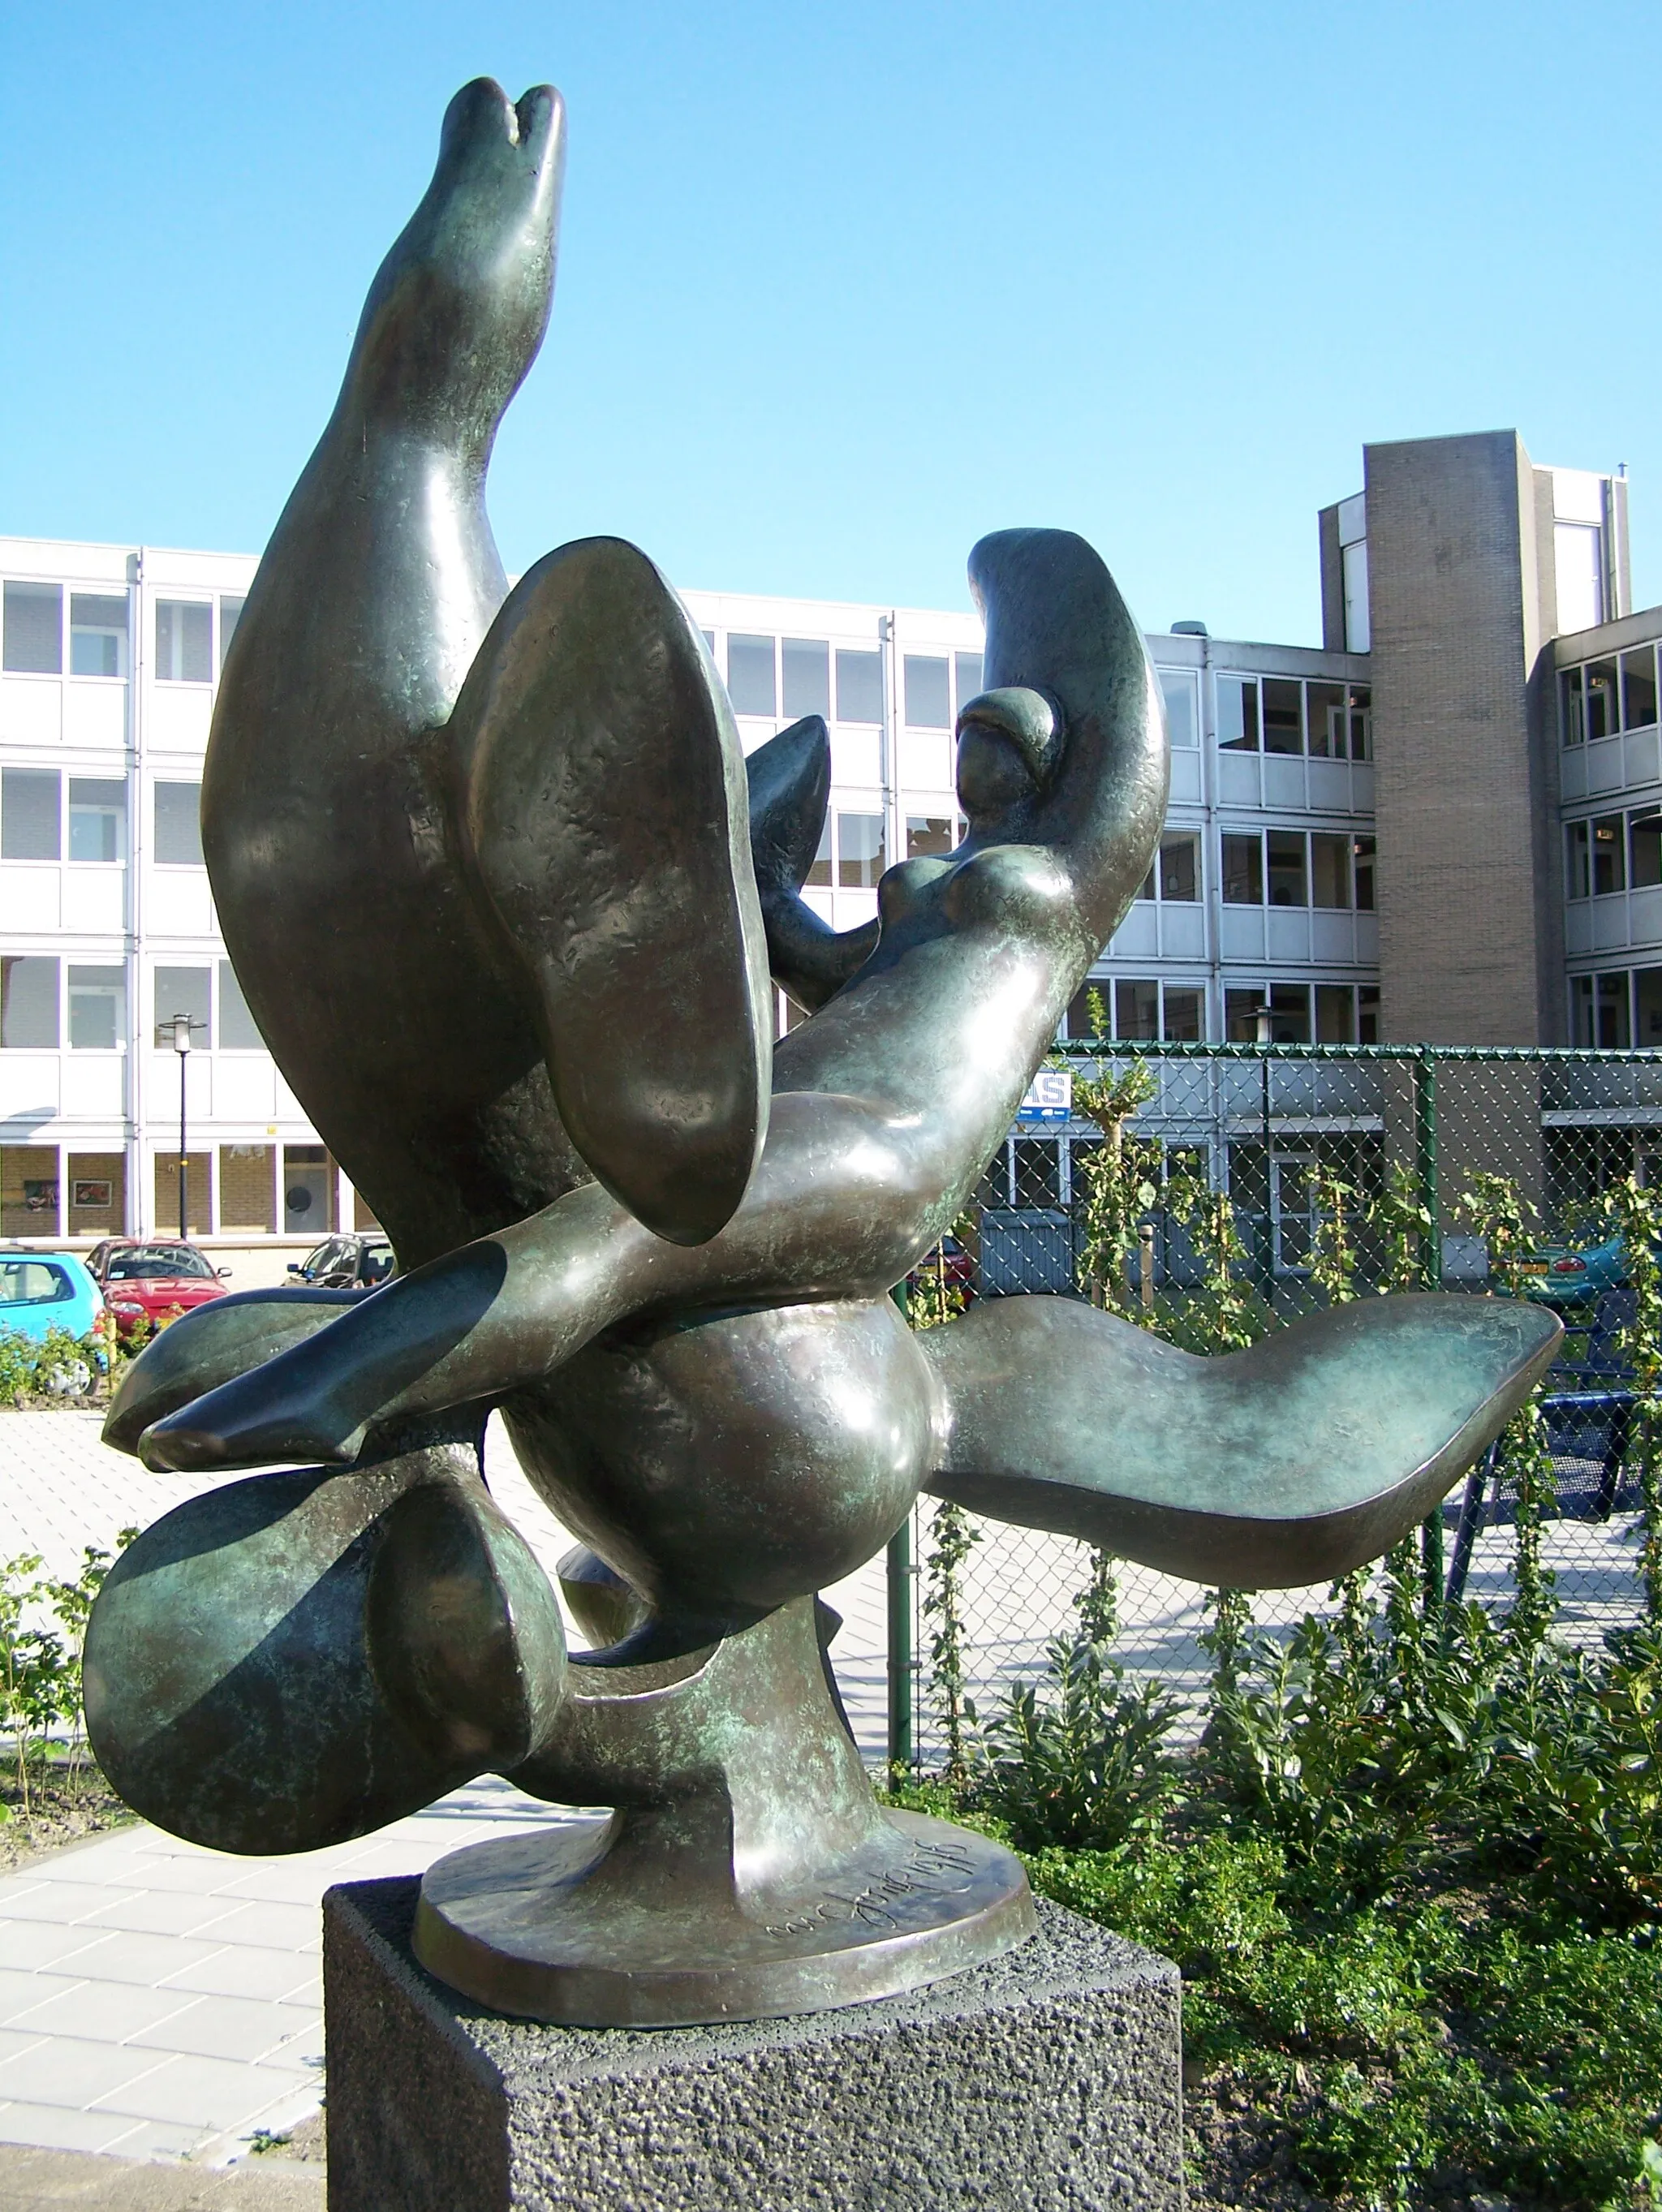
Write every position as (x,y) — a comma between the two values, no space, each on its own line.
(1286,714)
(33,640)
(1613,853)
(36,825)
(1142,1008)
(765,671)
(1617,1010)
(854,847)
(1296,868)
(44,1000)
(1603,697)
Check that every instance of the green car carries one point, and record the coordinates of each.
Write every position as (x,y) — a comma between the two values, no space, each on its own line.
(1574,1276)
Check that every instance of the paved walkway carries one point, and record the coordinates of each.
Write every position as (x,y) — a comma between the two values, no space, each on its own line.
(157,2001)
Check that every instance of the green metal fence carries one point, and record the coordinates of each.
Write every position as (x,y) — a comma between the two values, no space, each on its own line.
(1214,1192)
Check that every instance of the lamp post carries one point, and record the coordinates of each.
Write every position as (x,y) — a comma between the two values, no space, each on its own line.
(179,1029)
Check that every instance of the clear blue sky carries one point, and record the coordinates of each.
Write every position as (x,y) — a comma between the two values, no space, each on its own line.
(842,288)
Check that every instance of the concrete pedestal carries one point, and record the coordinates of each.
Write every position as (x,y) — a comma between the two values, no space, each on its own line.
(1047,2079)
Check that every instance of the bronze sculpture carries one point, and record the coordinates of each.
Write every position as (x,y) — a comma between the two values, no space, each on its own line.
(661,1243)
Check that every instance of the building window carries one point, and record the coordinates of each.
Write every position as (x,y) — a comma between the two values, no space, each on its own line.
(31,801)
(1330,869)
(33,627)
(230,614)
(966,675)
(98,635)
(1644,848)
(860,855)
(1326,709)
(1181,1017)
(1179,865)
(184,642)
(1361,860)
(28,1004)
(1242,870)
(1361,712)
(185,991)
(1592,702)
(98,1009)
(1647,1007)
(820,869)
(807,677)
(1182,719)
(750,676)
(1237,714)
(98,818)
(1599,1006)
(1639,688)
(858,687)
(1283,718)
(1286,1004)
(179,824)
(929,703)
(1287,868)
(1137,1008)
(238,1029)
(930,833)
(1335,1013)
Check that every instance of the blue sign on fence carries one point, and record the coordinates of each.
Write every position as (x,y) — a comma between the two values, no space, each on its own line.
(1050,1097)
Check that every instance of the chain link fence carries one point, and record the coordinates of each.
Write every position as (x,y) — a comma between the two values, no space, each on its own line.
(1215,1192)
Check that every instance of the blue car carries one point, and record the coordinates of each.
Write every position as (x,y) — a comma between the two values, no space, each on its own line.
(1574,1275)
(43,1290)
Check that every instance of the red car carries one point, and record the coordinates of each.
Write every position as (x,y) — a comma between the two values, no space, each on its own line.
(152,1283)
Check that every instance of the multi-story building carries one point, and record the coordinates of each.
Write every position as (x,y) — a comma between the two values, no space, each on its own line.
(1502,884)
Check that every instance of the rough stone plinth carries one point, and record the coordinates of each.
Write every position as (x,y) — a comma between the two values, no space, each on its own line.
(1049,2078)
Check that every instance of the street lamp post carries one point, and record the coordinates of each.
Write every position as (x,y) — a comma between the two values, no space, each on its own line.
(182,1025)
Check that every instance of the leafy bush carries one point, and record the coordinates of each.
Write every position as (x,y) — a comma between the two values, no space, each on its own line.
(43,1627)
(58,1366)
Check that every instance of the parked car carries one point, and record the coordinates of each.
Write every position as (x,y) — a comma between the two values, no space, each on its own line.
(949,1266)
(152,1283)
(1574,1276)
(43,1290)
(347,1263)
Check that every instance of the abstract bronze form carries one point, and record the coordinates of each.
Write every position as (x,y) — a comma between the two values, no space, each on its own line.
(508,903)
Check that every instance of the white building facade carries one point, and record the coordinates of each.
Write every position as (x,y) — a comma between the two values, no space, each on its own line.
(1262,896)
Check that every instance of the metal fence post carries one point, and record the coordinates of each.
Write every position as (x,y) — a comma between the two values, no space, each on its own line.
(1431,1276)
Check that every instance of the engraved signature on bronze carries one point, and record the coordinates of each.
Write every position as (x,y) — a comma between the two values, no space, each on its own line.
(931,1869)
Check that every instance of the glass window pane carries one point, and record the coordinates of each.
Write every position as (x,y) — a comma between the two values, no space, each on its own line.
(750,676)
(1598,689)
(184,642)
(1182,718)
(28,1004)
(1645,843)
(1283,717)
(1361,860)
(1336,1005)
(1037,1171)
(230,614)
(929,833)
(928,705)
(1137,1008)
(35,629)
(237,1030)
(1361,722)
(820,871)
(1146,889)
(1647,995)
(1179,865)
(1087,1011)
(1240,1016)
(1243,870)
(29,802)
(859,860)
(1287,883)
(1578,859)
(1582,1025)
(807,677)
(1182,1016)
(1610,1012)
(1367,1014)
(966,673)
(183,991)
(179,824)
(1572,697)
(97,1008)
(858,687)
(1289,1013)
(98,635)
(1639,688)
(98,818)
(1608,869)
(1330,869)
(1237,713)
(1324,707)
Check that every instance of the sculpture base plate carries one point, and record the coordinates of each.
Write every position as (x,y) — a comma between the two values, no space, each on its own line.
(547,1927)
